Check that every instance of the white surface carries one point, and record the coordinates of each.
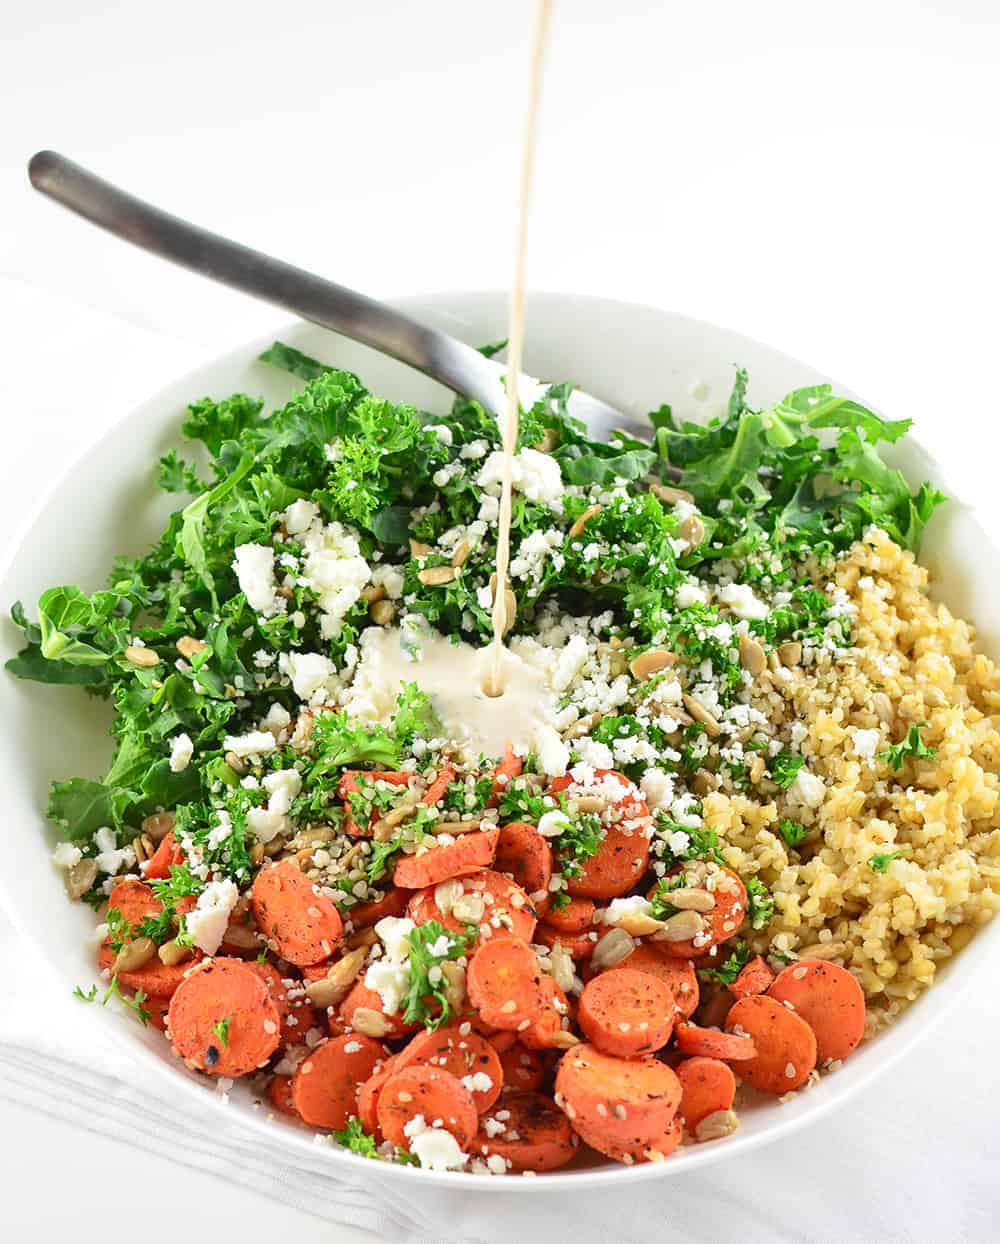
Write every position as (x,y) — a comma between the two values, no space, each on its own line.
(824,182)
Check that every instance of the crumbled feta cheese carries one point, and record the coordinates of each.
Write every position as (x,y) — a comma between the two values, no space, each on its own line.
(533,473)
(335,570)
(254,566)
(477,1082)
(866,743)
(596,754)
(311,673)
(553,754)
(256,743)
(389,975)
(442,432)
(66,855)
(657,788)
(690,594)
(300,516)
(807,789)
(207,923)
(436,1148)
(181,751)
(740,598)
(552,824)
(277,721)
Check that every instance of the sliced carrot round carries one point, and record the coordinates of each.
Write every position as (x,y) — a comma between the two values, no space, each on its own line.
(627,1013)
(829,999)
(136,902)
(576,916)
(222,1020)
(506,909)
(508,769)
(786,1045)
(711,1043)
(289,909)
(467,854)
(721,923)
(533,1134)
(579,946)
(630,1101)
(522,1068)
(504,983)
(470,1058)
(677,974)
(325,1084)
(368,1095)
(623,855)
(167,855)
(546,1028)
(431,1093)
(756,977)
(361,998)
(297,1016)
(635,1152)
(524,853)
(707,1085)
(392,903)
(279,1094)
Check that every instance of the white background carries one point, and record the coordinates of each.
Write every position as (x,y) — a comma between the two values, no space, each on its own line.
(822,176)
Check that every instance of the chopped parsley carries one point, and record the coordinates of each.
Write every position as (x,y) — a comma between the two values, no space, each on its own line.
(577,842)
(431,945)
(760,904)
(221,1030)
(702,843)
(911,747)
(793,833)
(728,971)
(880,863)
(89,996)
(357,1140)
(785,768)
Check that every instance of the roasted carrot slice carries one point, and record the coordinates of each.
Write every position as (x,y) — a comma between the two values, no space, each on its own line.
(580,946)
(291,911)
(545,1030)
(721,922)
(522,1068)
(628,1101)
(527,856)
(508,768)
(363,1006)
(469,1057)
(711,1043)
(786,1045)
(829,999)
(631,1153)
(707,1085)
(297,1016)
(432,1093)
(325,1085)
(167,855)
(436,790)
(222,1020)
(350,784)
(576,916)
(623,855)
(504,983)
(756,977)
(627,1013)
(136,901)
(467,854)
(532,1135)
(392,903)
(279,1094)
(677,974)
(368,1095)
(505,908)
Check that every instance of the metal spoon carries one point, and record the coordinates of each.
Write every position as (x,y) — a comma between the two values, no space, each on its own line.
(453,363)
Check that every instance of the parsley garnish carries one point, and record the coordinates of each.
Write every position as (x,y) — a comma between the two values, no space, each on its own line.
(731,968)
(221,1030)
(89,996)
(357,1140)
(134,1003)
(880,863)
(784,768)
(580,840)
(911,746)
(703,844)
(119,929)
(430,945)
(760,907)
(792,832)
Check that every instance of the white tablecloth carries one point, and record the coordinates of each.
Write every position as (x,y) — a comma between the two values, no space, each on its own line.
(825,181)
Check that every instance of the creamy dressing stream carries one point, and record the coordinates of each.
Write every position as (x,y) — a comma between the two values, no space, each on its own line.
(494,675)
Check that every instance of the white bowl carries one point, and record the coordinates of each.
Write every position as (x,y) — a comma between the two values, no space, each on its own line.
(634,356)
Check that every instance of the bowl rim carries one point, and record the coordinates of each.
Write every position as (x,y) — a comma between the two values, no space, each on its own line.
(900,1040)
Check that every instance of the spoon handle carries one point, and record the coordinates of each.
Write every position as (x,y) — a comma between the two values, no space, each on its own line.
(453,363)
